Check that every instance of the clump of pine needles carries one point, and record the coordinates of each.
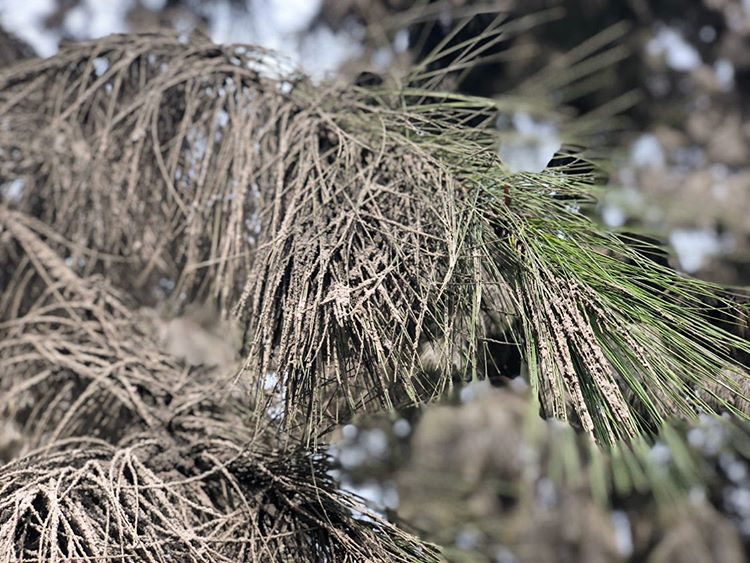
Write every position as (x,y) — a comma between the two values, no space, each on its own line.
(143,158)
(78,363)
(209,499)
(136,457)
(351,230)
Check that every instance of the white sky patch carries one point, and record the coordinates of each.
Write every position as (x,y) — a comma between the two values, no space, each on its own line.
(382,58)
(279,25)
(351,457)
(360,446)
(660,454)
(401,41)
(13,190)
(322,51)
(546,493)
(474,390)
(291,16)
(263,24)
(735,468)
(528,144)
(375,443)
(229,25)
(105,18)
(613,216)
(623,533)
(276,394)
(647,152)
(694,247)
(518,384)
(76,21)
(101,65)
(25,18)
(93,18)
(724,70)
(709,437)
(468,538)
(349,431)
(402,428)
(678,53)
(504,555)
(378,496)
(273,24)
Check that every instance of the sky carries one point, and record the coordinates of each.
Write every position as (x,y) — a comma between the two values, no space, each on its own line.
(274,24)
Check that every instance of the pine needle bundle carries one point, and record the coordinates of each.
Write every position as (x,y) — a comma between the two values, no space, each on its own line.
(142,156)
(355,232)
(154,499)
(78,363)
(140,458)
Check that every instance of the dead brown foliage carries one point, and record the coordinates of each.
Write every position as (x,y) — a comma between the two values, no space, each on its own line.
(183,174)
(77,362)
(155,499)
(133,152)
(131,455)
